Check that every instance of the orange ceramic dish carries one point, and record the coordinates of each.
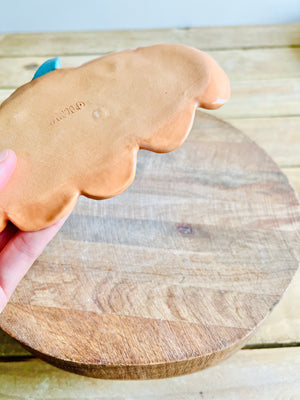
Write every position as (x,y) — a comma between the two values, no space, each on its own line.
(77,131)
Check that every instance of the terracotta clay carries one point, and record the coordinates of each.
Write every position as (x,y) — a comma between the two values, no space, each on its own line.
(78,130)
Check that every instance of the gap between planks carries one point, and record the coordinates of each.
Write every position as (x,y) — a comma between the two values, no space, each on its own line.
(292,172)
(249,374)
(258,64)
(207,38)
(20,354)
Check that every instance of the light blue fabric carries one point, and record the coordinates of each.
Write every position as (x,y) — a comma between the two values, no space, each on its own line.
(48,66)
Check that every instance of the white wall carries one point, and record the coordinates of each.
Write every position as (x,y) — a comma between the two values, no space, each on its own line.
(60,15)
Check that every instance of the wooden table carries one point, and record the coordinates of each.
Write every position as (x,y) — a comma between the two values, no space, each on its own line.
(263,64)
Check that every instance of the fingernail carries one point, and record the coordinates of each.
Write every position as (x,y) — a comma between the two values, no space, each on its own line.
(3,155)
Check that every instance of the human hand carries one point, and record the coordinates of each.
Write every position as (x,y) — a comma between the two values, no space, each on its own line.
(18,249)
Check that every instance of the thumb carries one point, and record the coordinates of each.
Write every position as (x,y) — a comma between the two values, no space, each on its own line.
(8,161)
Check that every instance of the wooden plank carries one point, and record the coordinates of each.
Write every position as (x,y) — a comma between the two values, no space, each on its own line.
(250,64)
(249,374)
(262,98)
(97,42)
(294,177)
(16,71)
(283,324)
(279,137)
(252,99)
(10,347)
(5,93)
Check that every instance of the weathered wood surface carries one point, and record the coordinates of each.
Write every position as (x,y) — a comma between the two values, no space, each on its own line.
(294,177)
(174,274)
(249,375)
(206,38)
(279,137)
(282,326)
(256,49)
(240,65)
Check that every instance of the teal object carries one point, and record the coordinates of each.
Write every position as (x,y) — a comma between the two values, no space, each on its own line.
(47,66)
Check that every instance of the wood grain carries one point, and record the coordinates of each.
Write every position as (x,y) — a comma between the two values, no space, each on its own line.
(294,177)
(239,65)
(262,98)
(171,276)
(279,137)
(281,327)
(267,376)
(249,374)
(95,42)
(283,324)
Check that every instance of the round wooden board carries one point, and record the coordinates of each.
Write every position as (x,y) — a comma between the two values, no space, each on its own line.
(171,276)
